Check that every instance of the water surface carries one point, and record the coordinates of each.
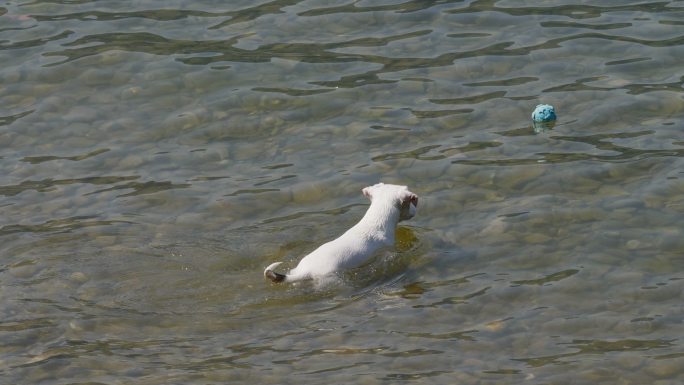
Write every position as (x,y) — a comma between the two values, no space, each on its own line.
(156,156)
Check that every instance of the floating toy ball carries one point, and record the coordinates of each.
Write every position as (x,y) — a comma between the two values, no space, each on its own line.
(544,113)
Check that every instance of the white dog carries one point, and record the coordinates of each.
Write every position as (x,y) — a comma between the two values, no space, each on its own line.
(390,204)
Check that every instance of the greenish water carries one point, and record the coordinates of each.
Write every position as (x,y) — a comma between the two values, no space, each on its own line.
(156,156)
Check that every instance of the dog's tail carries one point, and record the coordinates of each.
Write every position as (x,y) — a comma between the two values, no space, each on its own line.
(272,275)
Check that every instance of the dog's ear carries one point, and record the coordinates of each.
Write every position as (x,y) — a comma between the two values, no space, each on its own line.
(367,192)
(410,197)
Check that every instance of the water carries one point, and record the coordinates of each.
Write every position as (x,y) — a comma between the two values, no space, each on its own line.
(156,156)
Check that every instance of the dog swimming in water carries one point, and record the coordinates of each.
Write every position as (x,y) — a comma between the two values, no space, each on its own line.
(390,204)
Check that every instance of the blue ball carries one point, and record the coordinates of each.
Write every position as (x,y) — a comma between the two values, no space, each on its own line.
(544,113)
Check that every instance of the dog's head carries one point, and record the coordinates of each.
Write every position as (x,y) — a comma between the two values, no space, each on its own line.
(400,196)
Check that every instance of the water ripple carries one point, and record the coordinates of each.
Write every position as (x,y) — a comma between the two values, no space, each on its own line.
(633,89)
(455,300)
(59,225)
(475,99)
(166,14)
(153,14)
(35,42)
(403,7)
(603,142)
(575,11)
(570,24)
(222,50)
(593,347)
(48,184)
(143,188)
(48,158)
(547,279)
(504,82)
(413,154)
(7,120)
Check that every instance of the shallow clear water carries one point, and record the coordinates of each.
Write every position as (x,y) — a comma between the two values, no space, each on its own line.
(156,156)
